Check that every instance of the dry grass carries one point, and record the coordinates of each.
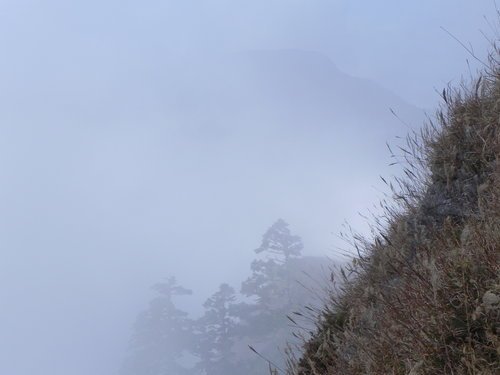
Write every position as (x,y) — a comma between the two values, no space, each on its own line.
(424,297)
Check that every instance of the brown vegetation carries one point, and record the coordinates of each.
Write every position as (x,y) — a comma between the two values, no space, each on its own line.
(424,296)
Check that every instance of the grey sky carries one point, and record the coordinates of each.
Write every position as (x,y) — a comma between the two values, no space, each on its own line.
(382,41)
(140,139)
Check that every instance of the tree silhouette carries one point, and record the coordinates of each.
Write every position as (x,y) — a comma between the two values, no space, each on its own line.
(162,334)
(215,333)
(269,285)
(270,280)
(279,241)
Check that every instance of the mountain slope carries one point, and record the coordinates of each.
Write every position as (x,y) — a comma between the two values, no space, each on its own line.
(289,90)
(424,297)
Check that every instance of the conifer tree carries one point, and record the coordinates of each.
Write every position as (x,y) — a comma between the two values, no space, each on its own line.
(269,285)
(162,334)
(215,333)
(270,279)
(279,241)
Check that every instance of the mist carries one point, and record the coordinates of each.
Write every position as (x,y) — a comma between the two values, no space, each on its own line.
(141,140)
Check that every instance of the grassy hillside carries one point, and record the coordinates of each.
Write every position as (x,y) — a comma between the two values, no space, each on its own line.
(424,296)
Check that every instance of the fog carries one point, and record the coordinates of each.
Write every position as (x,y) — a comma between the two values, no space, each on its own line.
(143,139)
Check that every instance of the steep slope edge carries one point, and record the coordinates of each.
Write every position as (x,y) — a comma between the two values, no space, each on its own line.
(424,296)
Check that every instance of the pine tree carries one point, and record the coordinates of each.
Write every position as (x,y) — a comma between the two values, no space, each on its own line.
(270,281)
(266,324)
(215,333)
(279,241)
(162,334)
